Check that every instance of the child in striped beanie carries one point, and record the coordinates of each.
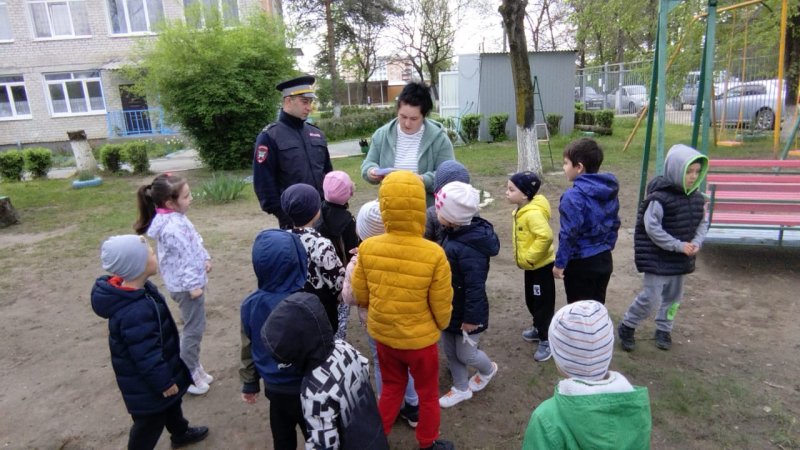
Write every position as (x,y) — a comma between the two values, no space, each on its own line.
(594,407)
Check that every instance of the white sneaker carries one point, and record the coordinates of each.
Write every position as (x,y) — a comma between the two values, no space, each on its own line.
(479,381)
(454,397)
(199,387)
(206,377)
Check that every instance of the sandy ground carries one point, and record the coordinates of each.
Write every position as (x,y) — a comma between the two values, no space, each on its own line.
(738,322)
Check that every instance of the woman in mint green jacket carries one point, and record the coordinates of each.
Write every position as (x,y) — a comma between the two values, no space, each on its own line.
(409,142)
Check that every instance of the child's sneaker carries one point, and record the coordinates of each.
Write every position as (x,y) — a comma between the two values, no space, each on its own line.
(479,381)
(454,397)
(199,386)
(204,375)
(440,444)
(543,352)
(192,435)
(410,413)
(663,340)
(626,339)
(531,334)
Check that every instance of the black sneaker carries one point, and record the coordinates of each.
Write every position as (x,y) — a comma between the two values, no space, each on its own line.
(626,338)
(441,445)
(192,435)
(410,413)
(663,340)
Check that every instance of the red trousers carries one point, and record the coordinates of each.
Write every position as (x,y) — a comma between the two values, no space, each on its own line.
(424,366)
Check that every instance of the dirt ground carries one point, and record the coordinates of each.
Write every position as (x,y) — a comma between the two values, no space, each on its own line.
(736,327)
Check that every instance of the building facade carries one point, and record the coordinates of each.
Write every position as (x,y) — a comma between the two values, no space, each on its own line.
(59,61)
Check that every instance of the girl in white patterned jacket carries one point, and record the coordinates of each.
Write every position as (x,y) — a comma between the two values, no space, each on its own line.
(182,260)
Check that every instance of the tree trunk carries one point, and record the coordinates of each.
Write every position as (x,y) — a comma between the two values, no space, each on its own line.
(8,215)
(513,12)
(84,159)
(337,109)
(792,61)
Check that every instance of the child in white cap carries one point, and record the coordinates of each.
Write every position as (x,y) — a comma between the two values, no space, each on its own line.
(144,344)
(594,407)
(469,241)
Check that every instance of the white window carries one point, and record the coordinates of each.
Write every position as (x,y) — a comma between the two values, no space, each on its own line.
(72,93)
(199,11)
(59,18)
(134,16)
(5,23)
(13,98)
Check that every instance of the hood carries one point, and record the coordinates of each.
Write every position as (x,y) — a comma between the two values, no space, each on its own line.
(479,235)
(601,186)
(280,261)
(298,332)
(108,299)
(679,158)
(157,225)
(402,201)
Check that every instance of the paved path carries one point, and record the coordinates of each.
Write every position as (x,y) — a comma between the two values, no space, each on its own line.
(188,159)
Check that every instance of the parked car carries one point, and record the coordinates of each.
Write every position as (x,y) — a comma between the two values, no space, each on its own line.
(747,105)
(632,98)
(688,95)
(591,99)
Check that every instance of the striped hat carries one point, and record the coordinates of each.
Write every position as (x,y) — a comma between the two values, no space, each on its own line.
(369,222)
(582,340)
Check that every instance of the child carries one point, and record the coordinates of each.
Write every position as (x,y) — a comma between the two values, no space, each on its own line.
(589,213)
(450,170)
(325,271)
(404,281)
(338,225)
(183,262)
(143,339)
(469,242)
(281,266)
(594,407)
(339,405)
(368,224)
(670,228)
(533,252)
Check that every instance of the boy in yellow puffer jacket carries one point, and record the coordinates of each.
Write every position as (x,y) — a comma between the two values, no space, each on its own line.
(404,281)
(533,252)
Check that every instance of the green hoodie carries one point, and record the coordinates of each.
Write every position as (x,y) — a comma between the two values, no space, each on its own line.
(615,421)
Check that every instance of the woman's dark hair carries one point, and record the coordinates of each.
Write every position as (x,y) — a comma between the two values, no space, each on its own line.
(150,196)
(416,94)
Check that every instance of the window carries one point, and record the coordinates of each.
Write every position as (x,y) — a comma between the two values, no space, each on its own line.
(198,12)
(59,18)
(75,93)
(13,98)
(134,16)
(5,23)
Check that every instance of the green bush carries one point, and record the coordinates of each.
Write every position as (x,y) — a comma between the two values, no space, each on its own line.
(355,126)
(222,189)
(469,125)
(497,126)
(12,163)
(135,152)
(604,118)
(553,123)
(111,157)
(38,161)
(584,117)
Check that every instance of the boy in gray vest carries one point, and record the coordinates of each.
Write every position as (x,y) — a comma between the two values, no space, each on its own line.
(670,228)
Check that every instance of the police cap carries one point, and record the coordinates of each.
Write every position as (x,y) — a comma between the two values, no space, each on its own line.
(298,86)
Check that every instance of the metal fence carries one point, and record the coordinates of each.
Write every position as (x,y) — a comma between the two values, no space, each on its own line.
(137,122)
(745,90)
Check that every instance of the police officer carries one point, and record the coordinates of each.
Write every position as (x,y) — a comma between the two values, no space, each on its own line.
(290,151)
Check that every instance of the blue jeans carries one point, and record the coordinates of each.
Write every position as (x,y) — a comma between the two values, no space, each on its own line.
(410,397)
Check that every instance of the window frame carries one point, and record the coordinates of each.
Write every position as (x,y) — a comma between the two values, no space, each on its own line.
(50,23)
(7,17)
(127,23)
(65,91)
(7,85)
(221,4)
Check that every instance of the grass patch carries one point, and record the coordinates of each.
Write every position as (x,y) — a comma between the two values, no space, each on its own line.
(223,188)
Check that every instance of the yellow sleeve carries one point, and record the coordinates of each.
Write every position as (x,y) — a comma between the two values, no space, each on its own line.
(359,284)
(440,293)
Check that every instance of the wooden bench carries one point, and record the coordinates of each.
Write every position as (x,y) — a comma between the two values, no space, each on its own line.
(754,202)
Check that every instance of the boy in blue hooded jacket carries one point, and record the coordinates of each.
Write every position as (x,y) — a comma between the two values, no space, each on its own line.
(281,266)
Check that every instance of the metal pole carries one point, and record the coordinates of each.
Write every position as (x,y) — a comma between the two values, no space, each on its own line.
(708,69)
(776,132)
(648,134)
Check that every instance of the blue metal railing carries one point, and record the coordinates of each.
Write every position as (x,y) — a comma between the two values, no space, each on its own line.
(137,123)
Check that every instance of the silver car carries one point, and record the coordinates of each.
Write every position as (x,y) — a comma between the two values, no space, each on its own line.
(750,104)
(632,98)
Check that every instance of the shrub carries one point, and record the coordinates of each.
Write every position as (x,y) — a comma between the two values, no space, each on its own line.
(222,189)
(497,126)
(38,161)
(584,118)
(135,152)
(553,123)
(12,163)
(470,124)
(355,126)
(111,157)
(604,118)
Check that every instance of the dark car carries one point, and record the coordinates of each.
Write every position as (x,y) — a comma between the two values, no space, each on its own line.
(591,99)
